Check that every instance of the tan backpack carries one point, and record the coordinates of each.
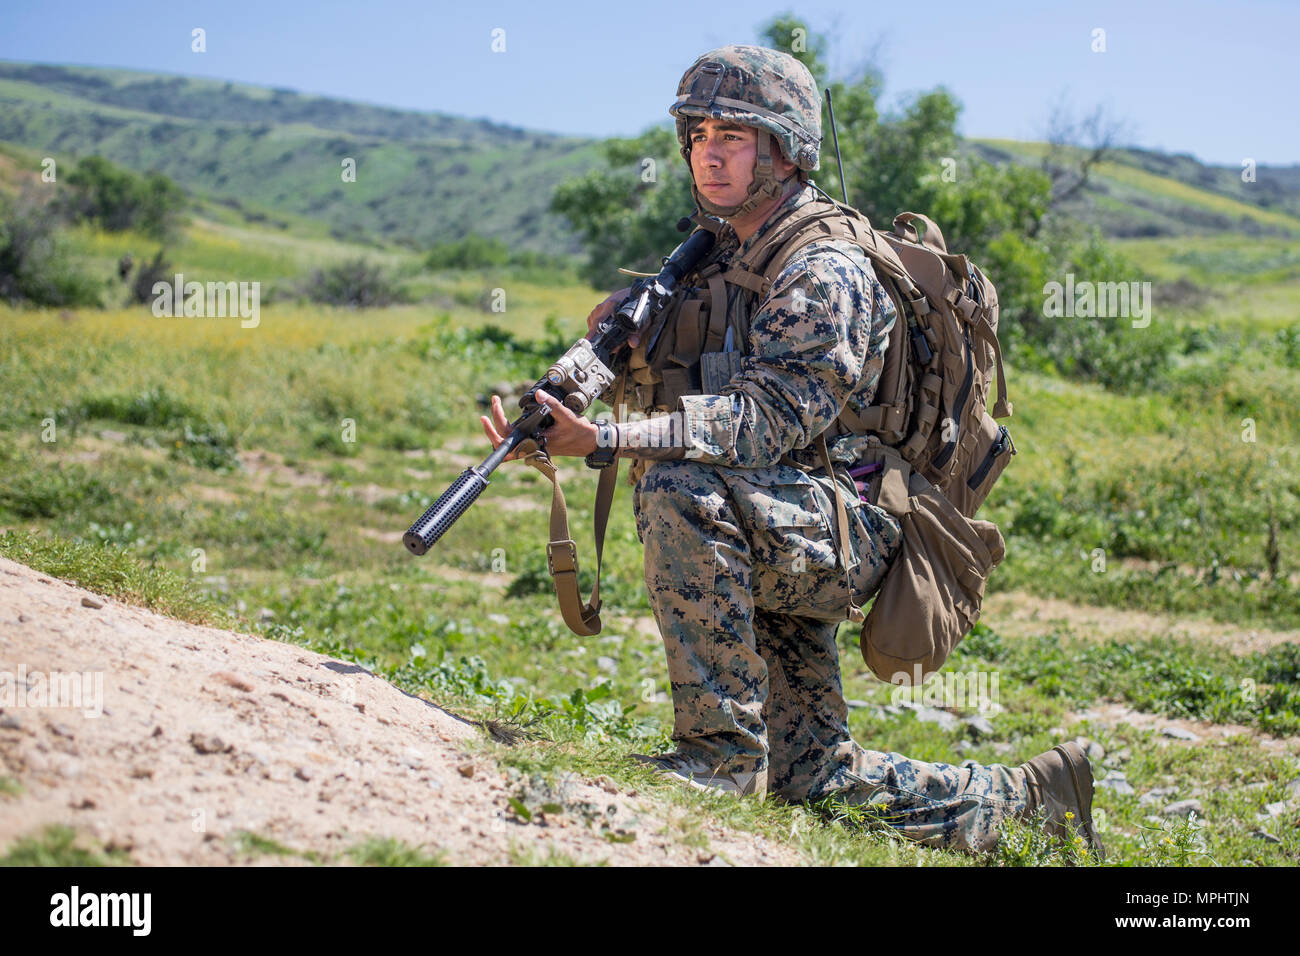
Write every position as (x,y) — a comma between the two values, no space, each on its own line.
(935,449)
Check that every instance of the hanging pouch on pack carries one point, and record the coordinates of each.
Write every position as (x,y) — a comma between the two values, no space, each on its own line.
(930,597)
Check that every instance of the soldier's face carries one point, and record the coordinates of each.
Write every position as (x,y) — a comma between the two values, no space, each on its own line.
(722,160)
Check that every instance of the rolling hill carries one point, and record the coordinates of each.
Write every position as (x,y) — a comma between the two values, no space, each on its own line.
(274,156)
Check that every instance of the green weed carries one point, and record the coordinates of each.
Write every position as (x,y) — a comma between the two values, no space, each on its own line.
(59,845)
(387,851)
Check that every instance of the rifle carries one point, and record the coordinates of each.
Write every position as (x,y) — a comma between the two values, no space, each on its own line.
(577,379)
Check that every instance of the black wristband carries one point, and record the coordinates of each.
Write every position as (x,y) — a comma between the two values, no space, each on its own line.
(606,445)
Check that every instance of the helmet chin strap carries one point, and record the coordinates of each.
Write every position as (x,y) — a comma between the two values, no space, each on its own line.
(764,187)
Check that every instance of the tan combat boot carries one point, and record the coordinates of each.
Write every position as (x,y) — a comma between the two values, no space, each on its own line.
(1060,781)
(695,773)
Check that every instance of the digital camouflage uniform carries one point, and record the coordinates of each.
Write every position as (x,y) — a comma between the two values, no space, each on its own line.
(740,556)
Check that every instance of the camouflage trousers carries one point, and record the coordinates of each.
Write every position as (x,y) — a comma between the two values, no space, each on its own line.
(741,569)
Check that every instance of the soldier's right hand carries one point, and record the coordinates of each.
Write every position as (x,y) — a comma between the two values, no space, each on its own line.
(600,312)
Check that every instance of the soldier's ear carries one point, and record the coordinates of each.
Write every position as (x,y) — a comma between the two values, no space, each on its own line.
(780,165)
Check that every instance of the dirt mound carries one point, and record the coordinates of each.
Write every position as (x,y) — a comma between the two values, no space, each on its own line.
(173,738)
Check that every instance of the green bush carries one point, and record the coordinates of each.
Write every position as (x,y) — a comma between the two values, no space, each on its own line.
(117,199)
(155,407)
(472,252)
(356,283)
(35,265)
(1104,348)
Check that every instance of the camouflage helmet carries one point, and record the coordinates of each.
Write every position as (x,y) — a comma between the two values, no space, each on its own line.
(754,86)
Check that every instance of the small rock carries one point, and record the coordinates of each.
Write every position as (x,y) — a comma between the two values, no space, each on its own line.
(91,602)
(1179,734)
(1266,837)
(10,722)
(266,614)
(1183,808)
(466,770)
(606,784)
(303,773)
(607,664)
(209,744)
(1293,789)
(360,707)
(157,732)
(23,618)
(893,709)
(980,725)
(1276,809)
(1158,795)
(965,747)
(857,704)
(1001,747)
(85,803)
(142,773)
(930,715)
(60,730)
(705,858)
(1117,782)
(233,680)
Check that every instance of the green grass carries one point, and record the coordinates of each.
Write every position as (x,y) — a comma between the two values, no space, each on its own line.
(248,844)
(58,845)
(386,851)
(113,572)
(202,470)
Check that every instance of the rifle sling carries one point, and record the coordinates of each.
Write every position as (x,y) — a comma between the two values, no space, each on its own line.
(562,550)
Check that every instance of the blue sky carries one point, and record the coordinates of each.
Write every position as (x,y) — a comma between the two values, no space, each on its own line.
(1215,79)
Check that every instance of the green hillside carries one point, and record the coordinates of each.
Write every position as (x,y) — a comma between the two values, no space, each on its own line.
(421,178)
(274,155)
(1140,194)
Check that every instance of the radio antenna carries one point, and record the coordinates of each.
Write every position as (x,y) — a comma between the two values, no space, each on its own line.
(844,189)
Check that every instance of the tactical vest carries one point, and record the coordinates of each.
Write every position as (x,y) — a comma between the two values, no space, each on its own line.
(944,305)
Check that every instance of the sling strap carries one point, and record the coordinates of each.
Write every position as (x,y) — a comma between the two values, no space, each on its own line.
(562,550)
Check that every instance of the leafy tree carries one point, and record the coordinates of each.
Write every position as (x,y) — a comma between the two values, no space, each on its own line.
(627,213)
